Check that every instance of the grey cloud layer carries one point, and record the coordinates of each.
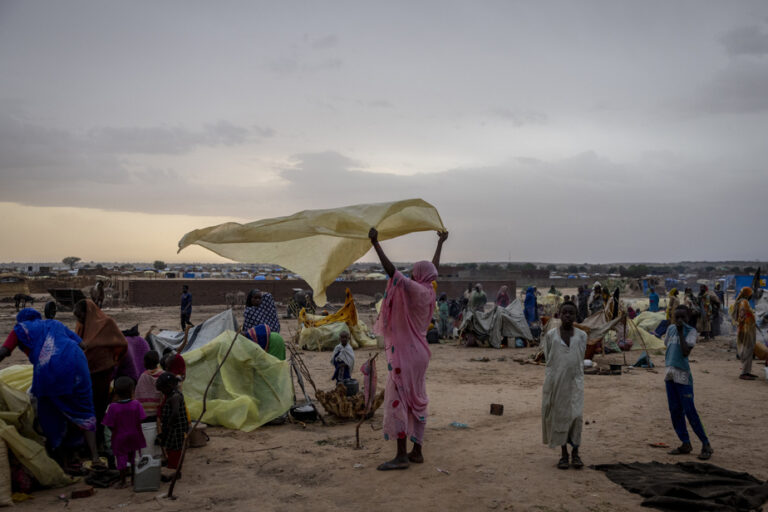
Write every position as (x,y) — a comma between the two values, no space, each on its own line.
(550,130)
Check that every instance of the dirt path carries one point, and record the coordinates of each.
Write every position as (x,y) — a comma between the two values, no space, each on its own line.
(498,463)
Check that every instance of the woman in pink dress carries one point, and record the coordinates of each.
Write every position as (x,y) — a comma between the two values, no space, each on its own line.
(403,322)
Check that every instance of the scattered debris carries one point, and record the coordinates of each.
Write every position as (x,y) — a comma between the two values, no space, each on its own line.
(456,424)
(439,470)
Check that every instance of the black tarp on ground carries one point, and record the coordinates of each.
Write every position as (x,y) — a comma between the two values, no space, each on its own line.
(689,486)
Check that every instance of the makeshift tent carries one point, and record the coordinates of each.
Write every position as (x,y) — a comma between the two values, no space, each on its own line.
(649,320)
(17,418)
(316,244)
(598,327)
(489,327)
(199,336)
(252,389)
(322,332)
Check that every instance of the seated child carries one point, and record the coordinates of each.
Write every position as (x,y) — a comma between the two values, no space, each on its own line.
(146,390)
(124,417)
(433,335)
(173,423)
(343,358)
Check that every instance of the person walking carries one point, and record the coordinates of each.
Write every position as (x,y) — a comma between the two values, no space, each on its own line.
(186,308)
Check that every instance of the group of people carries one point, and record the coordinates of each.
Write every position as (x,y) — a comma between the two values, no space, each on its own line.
(85,380)
(563,392)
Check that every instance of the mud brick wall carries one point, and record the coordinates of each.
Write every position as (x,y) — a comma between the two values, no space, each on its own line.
(167,292)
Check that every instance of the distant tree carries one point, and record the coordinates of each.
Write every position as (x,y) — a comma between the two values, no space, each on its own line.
(528,267)
(472,266)
(572,269)
(551,267)
(735,270)
(749,270)
(613,270)
(710,269)
(158,265)
(635,271)
(583,268)
(682,269)
(71,261)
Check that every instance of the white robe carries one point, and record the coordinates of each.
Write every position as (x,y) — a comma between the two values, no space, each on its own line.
(562,404)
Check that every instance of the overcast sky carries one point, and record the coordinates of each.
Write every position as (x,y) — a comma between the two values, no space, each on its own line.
(543,131)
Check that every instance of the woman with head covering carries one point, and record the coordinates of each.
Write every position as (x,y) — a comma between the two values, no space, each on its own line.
(60,380)
(478,298)
(260,309)
(530,306)
(104,346)
(502,298)
(272,343)
(405,315)
(746,336)
(672,303)
(704,324)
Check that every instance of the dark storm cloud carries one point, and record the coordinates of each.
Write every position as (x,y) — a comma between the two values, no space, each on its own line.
(750,40)
(738,88)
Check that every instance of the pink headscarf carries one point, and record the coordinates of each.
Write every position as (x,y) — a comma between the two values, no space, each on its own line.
(408,304)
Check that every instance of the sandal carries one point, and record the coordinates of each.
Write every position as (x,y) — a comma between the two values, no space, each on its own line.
(683,449)
(563,463)
(706,452)
(747,376)
(576,462)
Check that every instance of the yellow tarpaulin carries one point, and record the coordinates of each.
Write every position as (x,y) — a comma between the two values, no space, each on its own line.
(252,389)
(16,428)
(316,244)
(347,314)
(322,332)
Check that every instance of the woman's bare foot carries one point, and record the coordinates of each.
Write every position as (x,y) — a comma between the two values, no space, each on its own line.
(396,463)
(120,485)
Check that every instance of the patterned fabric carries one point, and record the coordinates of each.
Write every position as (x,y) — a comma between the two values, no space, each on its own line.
(264,313)
(174,424)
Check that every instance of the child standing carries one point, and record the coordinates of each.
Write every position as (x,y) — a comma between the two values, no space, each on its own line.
(562,405)
(146,389)
(343,358)
(124,417)
(680,340)
(173,419)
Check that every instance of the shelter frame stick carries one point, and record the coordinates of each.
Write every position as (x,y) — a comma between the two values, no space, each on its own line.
(372,398)
(202,413)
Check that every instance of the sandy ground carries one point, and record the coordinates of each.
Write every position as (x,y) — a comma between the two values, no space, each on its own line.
(498,463)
